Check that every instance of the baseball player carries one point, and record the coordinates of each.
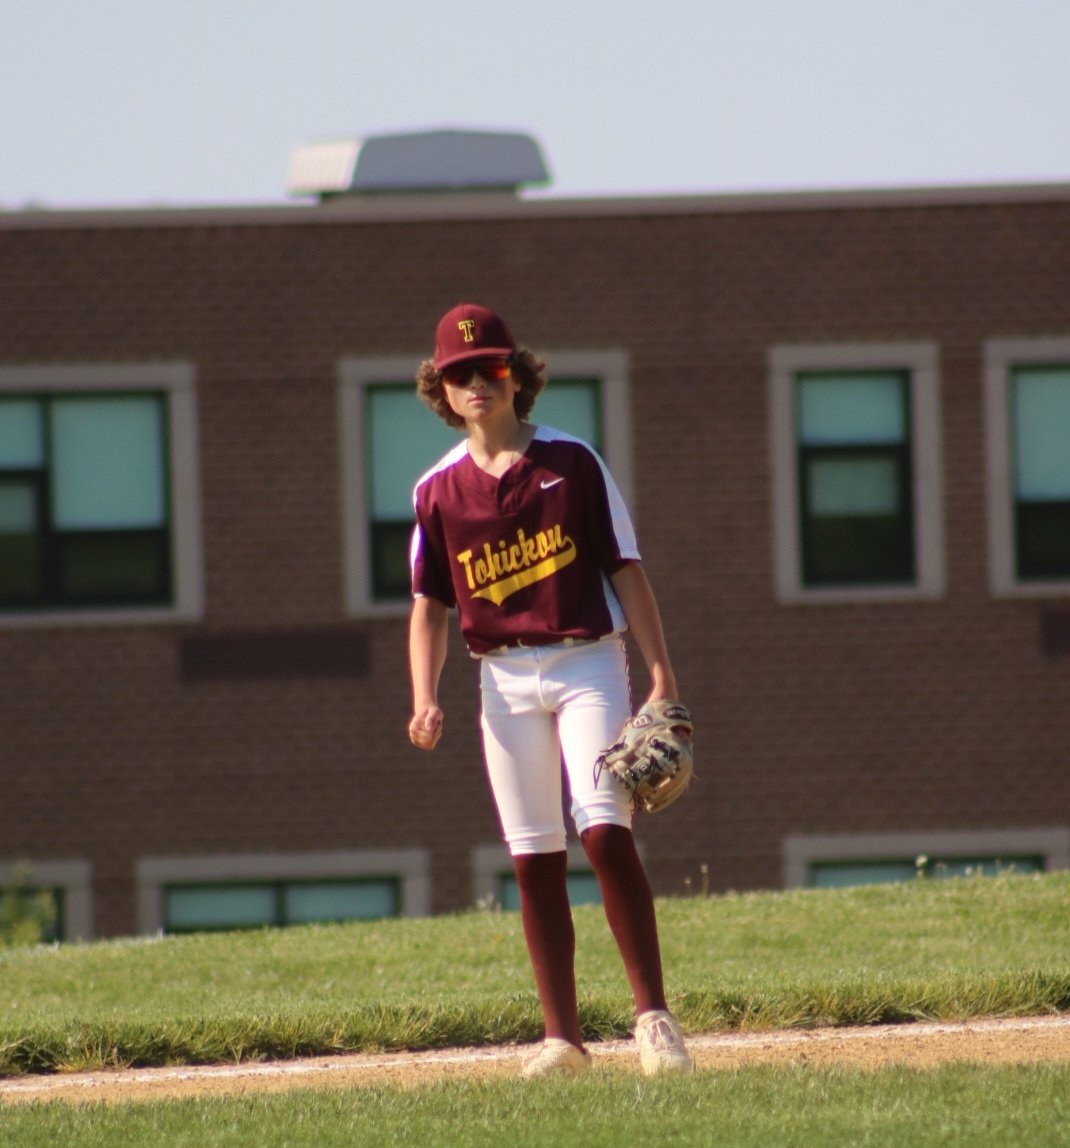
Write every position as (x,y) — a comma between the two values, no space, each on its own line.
(522,530)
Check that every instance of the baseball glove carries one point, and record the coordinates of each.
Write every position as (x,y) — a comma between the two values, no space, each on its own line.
(652,758)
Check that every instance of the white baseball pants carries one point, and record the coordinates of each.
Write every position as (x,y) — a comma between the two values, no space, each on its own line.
(543,705)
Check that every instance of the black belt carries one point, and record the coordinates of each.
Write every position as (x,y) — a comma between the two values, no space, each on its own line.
(520,645)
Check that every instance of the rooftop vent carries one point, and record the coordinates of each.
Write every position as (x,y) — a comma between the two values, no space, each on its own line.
(417,161)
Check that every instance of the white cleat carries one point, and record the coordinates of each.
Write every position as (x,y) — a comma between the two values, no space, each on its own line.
(661,1044)
(557,1058)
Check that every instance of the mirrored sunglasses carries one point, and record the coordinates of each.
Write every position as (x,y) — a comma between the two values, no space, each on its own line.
(461,374)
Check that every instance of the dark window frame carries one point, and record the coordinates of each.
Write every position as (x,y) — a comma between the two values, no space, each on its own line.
(389,539)
(1041,527)
(899,535)
(52,542)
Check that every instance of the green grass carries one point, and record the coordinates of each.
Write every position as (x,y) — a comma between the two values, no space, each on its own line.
(930,949)
(967,1106)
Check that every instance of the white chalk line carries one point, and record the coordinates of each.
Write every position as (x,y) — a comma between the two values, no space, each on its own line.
(352,1062)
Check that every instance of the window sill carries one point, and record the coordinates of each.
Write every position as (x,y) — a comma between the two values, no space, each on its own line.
(399,608)
(1045,589)
(840,595)
(104,616)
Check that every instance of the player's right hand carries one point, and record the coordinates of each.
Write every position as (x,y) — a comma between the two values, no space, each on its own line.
(425,728)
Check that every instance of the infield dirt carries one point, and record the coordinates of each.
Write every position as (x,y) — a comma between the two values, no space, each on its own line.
(1012,1041)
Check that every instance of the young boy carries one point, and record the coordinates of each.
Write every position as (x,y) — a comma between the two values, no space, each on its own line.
(522,529)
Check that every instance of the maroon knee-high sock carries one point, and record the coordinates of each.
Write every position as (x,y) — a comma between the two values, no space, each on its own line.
(629,908)
(551,939)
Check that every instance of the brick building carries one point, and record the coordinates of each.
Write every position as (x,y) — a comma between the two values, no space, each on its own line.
(842,422)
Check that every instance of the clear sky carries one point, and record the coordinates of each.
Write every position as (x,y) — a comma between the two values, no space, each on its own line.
(191,102)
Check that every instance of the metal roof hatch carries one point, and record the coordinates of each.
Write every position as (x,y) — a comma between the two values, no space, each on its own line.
(446,160)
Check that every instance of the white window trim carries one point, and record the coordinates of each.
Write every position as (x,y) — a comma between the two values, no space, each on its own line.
(922,361)
(74,878)
(411,866)
(802,851)
(355,374)
(178,381)
(1000,355)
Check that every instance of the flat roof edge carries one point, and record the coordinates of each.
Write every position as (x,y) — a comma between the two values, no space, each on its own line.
(439,207)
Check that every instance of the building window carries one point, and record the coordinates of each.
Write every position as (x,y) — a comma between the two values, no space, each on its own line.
(206,907)
(61,888)
(857,491)
(389,438)
(494,881)
(842,874)
(83,501)
(582,889)
(400,443)
(98,494)
(1027,409)
(30,912)
(248,891)
(836,860)
(1040,406)
(55,923)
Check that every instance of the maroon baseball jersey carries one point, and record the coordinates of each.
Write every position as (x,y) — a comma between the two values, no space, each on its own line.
(524,557)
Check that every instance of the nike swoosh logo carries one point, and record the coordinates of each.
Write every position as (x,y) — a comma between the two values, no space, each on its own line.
(553,482)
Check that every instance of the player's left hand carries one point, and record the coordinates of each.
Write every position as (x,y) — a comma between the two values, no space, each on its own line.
(663,690)
(653,758)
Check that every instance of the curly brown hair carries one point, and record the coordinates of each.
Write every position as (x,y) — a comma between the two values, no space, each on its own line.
(527,368)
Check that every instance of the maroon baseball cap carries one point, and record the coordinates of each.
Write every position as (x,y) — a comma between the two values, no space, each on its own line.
(469,331)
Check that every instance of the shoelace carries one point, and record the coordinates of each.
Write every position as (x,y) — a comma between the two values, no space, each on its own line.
(659,1035)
